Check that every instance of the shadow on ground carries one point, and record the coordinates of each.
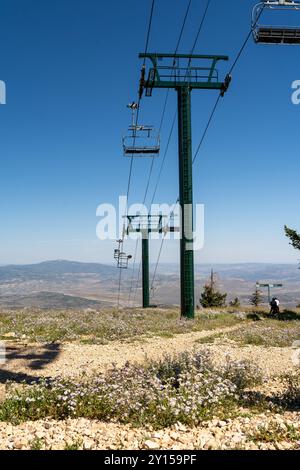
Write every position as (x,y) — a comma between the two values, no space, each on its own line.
(282,401)
(26,358)
(285,315)
(289,315)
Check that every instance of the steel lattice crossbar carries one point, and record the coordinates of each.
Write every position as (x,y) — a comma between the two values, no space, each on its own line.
(181,71)
(144,223)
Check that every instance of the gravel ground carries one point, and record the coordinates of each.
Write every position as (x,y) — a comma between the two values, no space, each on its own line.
(87,434)
(72,359)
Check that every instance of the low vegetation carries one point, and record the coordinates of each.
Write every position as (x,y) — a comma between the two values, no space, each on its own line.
(75,445)
(190,388)
(36,444)
(94,326)
(274,432)
(187,388)
(268,333)
(291,395)
(272,334)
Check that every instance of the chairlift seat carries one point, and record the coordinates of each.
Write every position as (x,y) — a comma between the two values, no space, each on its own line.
(271,35)
(141,150)
(139,146)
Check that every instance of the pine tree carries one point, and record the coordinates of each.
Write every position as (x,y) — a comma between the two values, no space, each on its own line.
(256,298)
(210,296)
(293,236)
(235,303)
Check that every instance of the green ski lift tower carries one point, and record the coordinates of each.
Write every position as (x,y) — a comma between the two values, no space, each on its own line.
(180,74)
(145,225)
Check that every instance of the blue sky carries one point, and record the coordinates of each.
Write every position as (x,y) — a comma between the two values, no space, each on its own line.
(71,67)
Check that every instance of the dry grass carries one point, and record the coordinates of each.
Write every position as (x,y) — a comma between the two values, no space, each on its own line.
(91,326)
(263,330)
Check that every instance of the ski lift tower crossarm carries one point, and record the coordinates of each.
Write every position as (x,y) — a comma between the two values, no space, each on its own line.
(184,78)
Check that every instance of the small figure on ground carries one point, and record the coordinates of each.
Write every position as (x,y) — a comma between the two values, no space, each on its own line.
(274,307)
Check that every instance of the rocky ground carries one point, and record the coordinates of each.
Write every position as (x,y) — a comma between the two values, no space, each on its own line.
(248,431)
(86,434)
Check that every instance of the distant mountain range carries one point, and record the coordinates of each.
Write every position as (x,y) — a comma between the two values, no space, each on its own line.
(71,284)
(53,269)
(50,269)
(49,300)
(57,284)
(246,271)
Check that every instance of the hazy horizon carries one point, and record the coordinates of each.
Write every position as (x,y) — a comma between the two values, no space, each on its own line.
(66,282)
(206,263)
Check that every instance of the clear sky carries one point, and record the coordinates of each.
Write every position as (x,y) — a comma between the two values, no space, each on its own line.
(71,67)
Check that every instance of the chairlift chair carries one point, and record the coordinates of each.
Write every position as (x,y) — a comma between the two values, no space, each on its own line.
(264,34)
(121,257)
(141,141)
